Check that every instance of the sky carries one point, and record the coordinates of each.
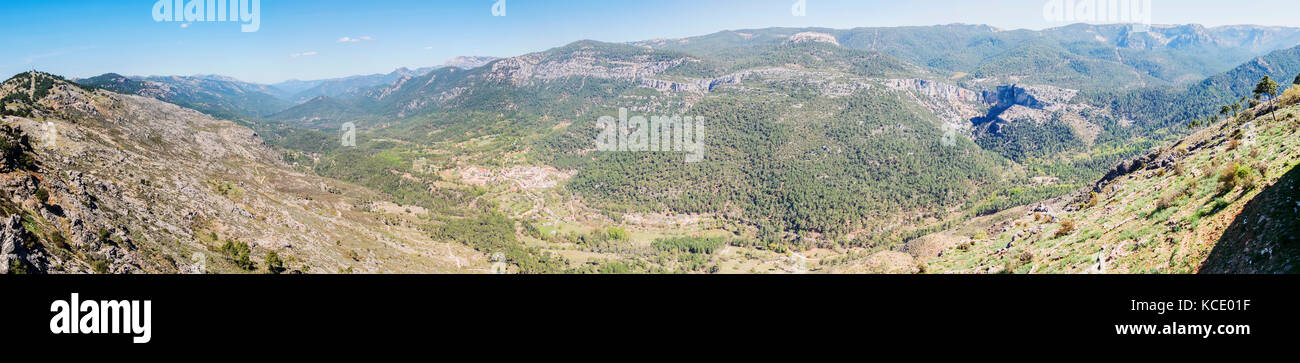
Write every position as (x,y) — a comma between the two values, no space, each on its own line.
(335,38)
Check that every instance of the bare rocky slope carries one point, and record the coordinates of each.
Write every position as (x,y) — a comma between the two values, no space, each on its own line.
(95,181)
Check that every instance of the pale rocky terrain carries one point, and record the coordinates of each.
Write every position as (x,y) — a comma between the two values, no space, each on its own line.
(129,184)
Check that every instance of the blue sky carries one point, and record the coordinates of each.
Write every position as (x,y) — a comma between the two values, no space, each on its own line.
(305,39)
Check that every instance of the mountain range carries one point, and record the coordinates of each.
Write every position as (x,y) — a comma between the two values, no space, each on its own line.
(828,150)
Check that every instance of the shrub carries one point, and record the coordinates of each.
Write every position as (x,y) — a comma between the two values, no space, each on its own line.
(1190,190)
(1093,199)
(58,241)
(1248,114)
(1166,200)
(99,265)
(1260,167)
(688,244)
(239,254)
(1233,176)
(1067,227)
(103,237)
(617,234)
(17,267)
(273,263)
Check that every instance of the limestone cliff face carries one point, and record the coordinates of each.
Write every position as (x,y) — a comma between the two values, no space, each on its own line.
(527,69)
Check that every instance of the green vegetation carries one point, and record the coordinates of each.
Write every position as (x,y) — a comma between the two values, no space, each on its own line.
(273,263)
(99,265)
(1233,176)
(15,150)
(494,233)
(689,244)
(239,254)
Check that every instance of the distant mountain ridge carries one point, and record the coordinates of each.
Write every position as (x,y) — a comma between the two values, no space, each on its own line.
(228,97)
(219,96)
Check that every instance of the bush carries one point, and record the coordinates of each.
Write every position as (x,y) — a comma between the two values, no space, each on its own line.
(58,241)
(99,265)
(617,234)
(239,254)
(1093,199)
(1067,227)
(1247,115)
(273,263)
(1167,200)
(17,267)
(688,244)
(1233,176)
(1026,257)
(1260,167)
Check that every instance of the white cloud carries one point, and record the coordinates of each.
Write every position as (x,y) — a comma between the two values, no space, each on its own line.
(303,54)
(354,40)
(428,47)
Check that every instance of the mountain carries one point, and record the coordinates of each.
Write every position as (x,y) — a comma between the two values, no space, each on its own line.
(1165,54)
(226,97)
(1221,200)
(821,140)
(218,96)
(1164,106)
(843,125)
(349,86)
(100,182)
(469,62)
(825,150)
(354,86)
(320,112)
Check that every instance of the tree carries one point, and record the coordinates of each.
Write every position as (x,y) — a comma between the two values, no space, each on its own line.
(238,253)
(273,263)
(1269,88)
(1236,109)
(1297,80)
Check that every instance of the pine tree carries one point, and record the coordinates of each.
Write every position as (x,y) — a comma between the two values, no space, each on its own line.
(1297,80)
(1269,88)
